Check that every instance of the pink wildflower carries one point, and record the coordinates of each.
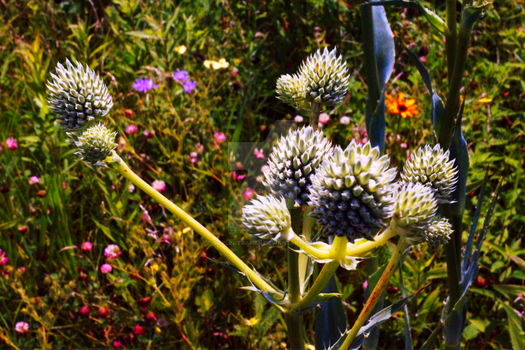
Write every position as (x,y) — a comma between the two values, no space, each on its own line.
(106,268)
(86,246)
(131,129)
(85,310)
(249,193)
(238,177)
(22,327)
(219,137)
(365,284)
(33,180)
(11,143)
(258,153)
(3,258)
(193,157)
(138,330)
(117,344)
(149,134)
(159,185)
(112,251)
(199,147)
(64,185)
(323,118)
(344,120)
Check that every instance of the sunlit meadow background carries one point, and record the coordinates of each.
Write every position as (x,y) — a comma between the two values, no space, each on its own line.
(164,292)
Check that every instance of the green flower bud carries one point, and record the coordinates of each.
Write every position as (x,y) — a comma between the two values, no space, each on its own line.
(77,95)
(415,208)
(326,77)
(268,217)
(293,163)
(291,89)
(438,232)
(352,192)
(432,167)
(96,144)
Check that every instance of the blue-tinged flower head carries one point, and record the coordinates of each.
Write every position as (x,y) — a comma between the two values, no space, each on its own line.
(189,85)
(181,76)
(144,84)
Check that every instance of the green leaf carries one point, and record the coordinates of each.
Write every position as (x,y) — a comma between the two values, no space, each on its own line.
(104,229)
(144,35)
(330,319)
(517,336)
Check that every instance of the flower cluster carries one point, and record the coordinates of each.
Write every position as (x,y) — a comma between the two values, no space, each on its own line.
(268,217)
(352,192)
(183,78)
(96,144)
(323,78)
(144,85)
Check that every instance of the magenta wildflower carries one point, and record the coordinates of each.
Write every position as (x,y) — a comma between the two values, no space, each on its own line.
(106,268)
(131,129)
(159,185)
(219,137)
(33,180)
(11,143)
(258,153)
(86,246)
(3,258)
(189,85)
(112,251)
(248,194)
(117,344)
(193,157)
(21,327)
(149,134)
(181,76)
(144,85)
(64,185)
(238,177)
(199,147)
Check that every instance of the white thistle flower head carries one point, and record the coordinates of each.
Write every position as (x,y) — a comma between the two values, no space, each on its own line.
(352,191)
(291,89)
(77,95)
(415,209)
(438,232)
(432,167)
(268,218)
(294,161)
(96,144)
(326,77)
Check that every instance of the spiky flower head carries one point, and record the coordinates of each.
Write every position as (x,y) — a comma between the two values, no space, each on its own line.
(326,77)
(415,208)
(438,232)
(294,161)
(432,167)
(352,191)
(77,95)
(291,89)
(96,144)
(268,218)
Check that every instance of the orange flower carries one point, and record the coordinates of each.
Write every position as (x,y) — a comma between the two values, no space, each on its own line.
(405,108)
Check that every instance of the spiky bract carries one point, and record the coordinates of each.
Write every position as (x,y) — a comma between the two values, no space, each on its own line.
(267,217)
(291,89)
(77,95)
(352,192)
(293,162)
(326,77)
(415,208)
(96,144)
(438,232)
(432,167)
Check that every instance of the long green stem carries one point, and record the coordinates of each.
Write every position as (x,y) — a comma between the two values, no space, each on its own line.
(118,164)
(338,252)
(452,37)
(362,247)
(376,294)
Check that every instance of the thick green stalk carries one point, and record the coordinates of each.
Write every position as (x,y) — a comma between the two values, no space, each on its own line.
(338,252)
(376,294)
(452,37)
(294,323)
(316,110)
(118,164)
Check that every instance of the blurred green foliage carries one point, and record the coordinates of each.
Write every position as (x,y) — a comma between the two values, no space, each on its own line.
(200,301)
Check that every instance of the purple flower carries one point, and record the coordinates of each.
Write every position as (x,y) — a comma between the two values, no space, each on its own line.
(144,85)
(181,76)
(189,85)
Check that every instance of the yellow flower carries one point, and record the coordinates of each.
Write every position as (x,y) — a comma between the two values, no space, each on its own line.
(251,322)
(400,106)
(216,65)
(154,267)
(181,49)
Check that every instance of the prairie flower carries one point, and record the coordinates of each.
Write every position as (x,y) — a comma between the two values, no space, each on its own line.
(401,106)
(86,246)
(238,177)
(22,327)
(259,154)
(106,268)
(222,63)
(219,137)
(324,118)
(181,49)
(144,84)
(112,251)
(131,129)
(33,180)
(11,143)
(181,76)
(344,120)
(189,85)
(159,185)
(3,258)
(249,193)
